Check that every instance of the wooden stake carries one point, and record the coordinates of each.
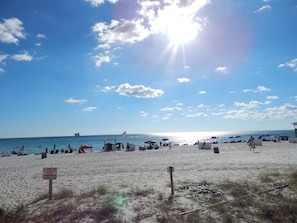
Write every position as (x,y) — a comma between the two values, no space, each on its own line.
(50,189)
(170,169)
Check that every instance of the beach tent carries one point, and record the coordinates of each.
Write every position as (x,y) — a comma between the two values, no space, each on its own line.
(258,142)
(109,144)
(204,145)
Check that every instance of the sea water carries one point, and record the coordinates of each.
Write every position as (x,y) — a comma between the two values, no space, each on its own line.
(40,144)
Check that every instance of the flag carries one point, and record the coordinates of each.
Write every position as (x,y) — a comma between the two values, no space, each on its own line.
(124,133)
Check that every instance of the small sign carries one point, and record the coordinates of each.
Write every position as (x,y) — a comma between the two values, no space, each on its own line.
(170,169)
(50,173)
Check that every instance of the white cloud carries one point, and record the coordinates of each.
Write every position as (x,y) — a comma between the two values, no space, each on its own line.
(242,114)
(171,109)
(222,70)
(120,32)
(258,89)
(272,97)
(11,30)
(167,116)
(143,114)
(262,88)
(100,59)
(96,3)
(3,57)
(138,91)
(22,57)
(104,89)
(117,33)
(1,70)
(251,104)
(162,17)
(199,114)
(89,109)
(285,111)
(202,92)
(40,36)
(265,7)
(292,64)
(247,90)
(151,18)
(183,79)
(253,111)
(75,101)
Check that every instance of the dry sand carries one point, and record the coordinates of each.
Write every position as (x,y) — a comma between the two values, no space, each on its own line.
(21,176)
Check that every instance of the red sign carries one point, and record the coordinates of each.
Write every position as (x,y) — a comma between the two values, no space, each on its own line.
(50,173)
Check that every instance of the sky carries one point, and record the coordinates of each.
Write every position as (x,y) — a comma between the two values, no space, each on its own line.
(145,66)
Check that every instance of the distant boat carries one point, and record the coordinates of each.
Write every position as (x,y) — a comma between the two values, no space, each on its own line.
(77,134)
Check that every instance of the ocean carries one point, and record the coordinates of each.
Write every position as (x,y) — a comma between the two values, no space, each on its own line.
(39,144)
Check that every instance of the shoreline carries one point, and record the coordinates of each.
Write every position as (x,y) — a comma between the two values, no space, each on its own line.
(39,145)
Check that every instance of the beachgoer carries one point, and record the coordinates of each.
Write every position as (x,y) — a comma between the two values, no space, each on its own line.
(252,145)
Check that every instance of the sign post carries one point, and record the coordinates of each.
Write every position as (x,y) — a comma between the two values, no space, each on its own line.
(50,174)
(170,169)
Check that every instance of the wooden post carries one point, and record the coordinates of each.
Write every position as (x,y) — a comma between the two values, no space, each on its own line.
(50,189)
(50,174)
(170,169)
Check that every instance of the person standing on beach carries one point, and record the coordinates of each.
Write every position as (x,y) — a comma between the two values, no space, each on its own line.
(252,145)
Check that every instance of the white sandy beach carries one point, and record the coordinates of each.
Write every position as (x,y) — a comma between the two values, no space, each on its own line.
(21,176)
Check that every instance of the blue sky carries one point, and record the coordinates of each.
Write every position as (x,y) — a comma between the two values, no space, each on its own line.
(104,67)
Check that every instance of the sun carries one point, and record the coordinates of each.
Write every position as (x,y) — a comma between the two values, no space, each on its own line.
(181,31)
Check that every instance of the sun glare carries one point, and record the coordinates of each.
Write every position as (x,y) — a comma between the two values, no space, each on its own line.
(181,31)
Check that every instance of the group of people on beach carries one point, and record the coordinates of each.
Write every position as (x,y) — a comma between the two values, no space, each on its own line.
(54,150)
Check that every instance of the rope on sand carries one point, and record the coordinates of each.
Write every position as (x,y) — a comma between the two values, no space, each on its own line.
(277,186)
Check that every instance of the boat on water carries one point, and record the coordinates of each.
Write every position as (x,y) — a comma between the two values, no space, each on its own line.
(76,134)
